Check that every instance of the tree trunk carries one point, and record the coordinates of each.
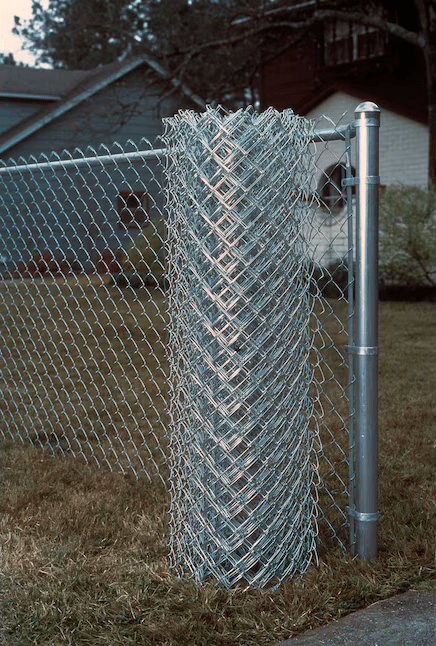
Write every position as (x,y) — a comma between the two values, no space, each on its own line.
(430,59)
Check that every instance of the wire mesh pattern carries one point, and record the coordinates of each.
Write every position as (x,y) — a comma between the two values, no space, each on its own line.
(242,472)
(82,361)
(333,255)
(102,361)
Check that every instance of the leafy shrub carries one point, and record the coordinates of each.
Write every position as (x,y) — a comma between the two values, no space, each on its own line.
(407,293)
(44,262)
(407,237)
(146,254)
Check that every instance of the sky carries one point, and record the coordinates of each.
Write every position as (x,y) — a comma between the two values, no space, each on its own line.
(9,42)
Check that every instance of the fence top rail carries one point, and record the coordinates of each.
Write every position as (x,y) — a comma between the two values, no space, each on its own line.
(331,134)
(80,162)
(339,133)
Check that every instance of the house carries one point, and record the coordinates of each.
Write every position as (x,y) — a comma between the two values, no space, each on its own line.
(325,77)
(60,114)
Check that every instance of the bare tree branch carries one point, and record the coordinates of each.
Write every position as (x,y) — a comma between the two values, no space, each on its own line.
(318,16)
(374,21)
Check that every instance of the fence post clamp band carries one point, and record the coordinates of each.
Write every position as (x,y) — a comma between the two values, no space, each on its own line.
(362,350)
(354,181)
(362,516)
(366,122)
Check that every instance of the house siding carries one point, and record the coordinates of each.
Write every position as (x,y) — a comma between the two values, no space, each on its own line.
(76,214)
(404,143)
(289,78)
(14,111)
(69,213)
(128,109)
(403,160)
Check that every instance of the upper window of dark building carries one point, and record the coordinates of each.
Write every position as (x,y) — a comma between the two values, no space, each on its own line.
(346,42)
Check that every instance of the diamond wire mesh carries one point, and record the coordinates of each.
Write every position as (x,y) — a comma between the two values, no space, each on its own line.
(242,470)
(84,365)
(333,254)
(82,362)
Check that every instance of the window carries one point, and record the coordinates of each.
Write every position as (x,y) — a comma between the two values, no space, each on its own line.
(346,43)
(330,187)
(133,208)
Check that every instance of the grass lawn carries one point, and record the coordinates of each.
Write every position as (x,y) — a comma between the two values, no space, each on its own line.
(84,551)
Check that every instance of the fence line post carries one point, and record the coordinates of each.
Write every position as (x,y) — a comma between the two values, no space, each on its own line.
(366,349)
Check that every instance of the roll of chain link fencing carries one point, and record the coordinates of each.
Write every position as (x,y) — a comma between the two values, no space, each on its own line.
(242,469)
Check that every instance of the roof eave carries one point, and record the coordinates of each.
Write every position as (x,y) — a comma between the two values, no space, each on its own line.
(92,88)
(30,97)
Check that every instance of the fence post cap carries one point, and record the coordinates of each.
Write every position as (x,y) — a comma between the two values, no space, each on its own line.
(367,106)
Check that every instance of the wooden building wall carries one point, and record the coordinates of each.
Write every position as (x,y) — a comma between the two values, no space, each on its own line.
(13,111)
(300,78)
(289,79)
(78,213)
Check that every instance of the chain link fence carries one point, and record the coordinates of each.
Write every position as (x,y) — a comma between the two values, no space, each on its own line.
(183,314)
(83,356)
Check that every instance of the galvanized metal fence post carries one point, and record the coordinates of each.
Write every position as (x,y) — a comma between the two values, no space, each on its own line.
(366,345)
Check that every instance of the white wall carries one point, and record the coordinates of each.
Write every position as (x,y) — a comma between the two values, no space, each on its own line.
(403,160)
(403,142)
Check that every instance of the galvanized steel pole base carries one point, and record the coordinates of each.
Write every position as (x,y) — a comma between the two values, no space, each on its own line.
(243,507)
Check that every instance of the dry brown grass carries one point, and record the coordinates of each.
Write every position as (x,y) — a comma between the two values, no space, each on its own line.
(85,370)
(85,551)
